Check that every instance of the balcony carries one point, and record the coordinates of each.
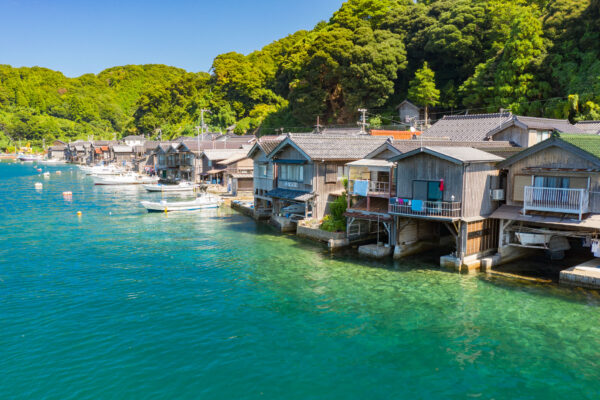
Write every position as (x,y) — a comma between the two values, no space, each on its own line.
(374,188)
(567,201)
(422,208)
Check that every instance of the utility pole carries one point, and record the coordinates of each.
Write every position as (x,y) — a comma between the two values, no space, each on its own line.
(363,122)
(318,125)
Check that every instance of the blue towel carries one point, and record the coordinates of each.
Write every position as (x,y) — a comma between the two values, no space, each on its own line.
(361,187)
(417,205)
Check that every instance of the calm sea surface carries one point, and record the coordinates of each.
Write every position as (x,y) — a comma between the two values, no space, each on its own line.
(121,304)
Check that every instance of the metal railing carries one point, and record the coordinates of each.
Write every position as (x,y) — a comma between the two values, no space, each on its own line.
(569,201)
(440,209)
(373,188)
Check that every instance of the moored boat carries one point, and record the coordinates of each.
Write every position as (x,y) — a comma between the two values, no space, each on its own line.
(124,179)
(180,187)
(201,202)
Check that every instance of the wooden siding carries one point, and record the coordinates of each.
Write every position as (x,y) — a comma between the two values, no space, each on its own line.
(324,190)
(481,236)
(480,179)
(554,157)
(427,167)
(290,153)
(515,134)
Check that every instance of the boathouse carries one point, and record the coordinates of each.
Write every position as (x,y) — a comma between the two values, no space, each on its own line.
(263,175)
(552,198)
(446,194)
(310,172)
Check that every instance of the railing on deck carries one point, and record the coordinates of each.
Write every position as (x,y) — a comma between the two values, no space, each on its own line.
(439,209)
(374,187)
(569,201)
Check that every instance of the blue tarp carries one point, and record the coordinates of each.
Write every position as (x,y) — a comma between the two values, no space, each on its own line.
(361,187)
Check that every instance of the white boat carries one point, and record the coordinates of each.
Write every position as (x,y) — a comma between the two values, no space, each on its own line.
(98,170)
(124,179)
(52,161)
(28,157)
(180,187)
(201,202)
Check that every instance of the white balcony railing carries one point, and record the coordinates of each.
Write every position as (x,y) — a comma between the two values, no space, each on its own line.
(373,188)
(569,201)
(438,209)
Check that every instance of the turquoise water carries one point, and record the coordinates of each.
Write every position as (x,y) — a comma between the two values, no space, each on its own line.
(121,304)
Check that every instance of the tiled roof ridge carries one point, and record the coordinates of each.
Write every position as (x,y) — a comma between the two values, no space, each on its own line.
(477,116)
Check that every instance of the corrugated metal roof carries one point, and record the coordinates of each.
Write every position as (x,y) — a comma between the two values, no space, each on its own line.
(465,154)
(370,162)
(453,153)
(290,194)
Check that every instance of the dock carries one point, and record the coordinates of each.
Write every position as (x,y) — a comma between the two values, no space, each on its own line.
(585,275)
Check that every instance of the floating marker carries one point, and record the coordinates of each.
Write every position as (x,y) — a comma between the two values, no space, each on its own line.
(79,213)
(58,173)
(38,185)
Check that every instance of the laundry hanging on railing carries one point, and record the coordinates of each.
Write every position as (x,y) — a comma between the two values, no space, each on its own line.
(596,247)
(361,188)
(441,185)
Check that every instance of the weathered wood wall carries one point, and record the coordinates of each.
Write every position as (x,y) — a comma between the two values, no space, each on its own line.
(427,167)
(480,179)
(554,157)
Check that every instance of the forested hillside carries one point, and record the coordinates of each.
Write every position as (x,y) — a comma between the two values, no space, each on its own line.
(534,57)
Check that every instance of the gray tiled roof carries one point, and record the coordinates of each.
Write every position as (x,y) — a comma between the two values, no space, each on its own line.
(561,125)
(223,154)
(592,127)
(478,127)
(332,147)
(499,148)
(192,144)
(467,128)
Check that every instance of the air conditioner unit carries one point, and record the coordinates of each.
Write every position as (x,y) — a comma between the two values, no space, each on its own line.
(498,194)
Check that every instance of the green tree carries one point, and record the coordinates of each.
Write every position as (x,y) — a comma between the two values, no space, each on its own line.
(422,89)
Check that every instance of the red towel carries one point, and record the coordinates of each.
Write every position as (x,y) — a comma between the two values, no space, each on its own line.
(441,185)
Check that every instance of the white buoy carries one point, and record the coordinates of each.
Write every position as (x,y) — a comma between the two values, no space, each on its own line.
(38,185)
(46,174)
(58,173)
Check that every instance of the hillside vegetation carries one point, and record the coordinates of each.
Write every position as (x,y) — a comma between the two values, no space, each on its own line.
(534,57)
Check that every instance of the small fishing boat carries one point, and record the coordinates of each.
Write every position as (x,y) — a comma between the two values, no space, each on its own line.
(28,157)
(180,187)
(124,179)
(199,203)
(98,170)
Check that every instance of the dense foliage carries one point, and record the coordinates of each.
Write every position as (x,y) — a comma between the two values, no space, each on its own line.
(535,57)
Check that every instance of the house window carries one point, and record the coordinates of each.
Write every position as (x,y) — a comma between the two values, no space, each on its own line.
(161,159)
(292,173)
(209,163)
(427,190)
(557,182)
(542,135)
(262,170)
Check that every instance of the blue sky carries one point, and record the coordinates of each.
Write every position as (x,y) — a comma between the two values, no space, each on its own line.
(81,36)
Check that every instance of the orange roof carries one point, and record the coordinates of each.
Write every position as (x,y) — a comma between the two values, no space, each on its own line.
(397,135)
(104,148)
(98,151)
